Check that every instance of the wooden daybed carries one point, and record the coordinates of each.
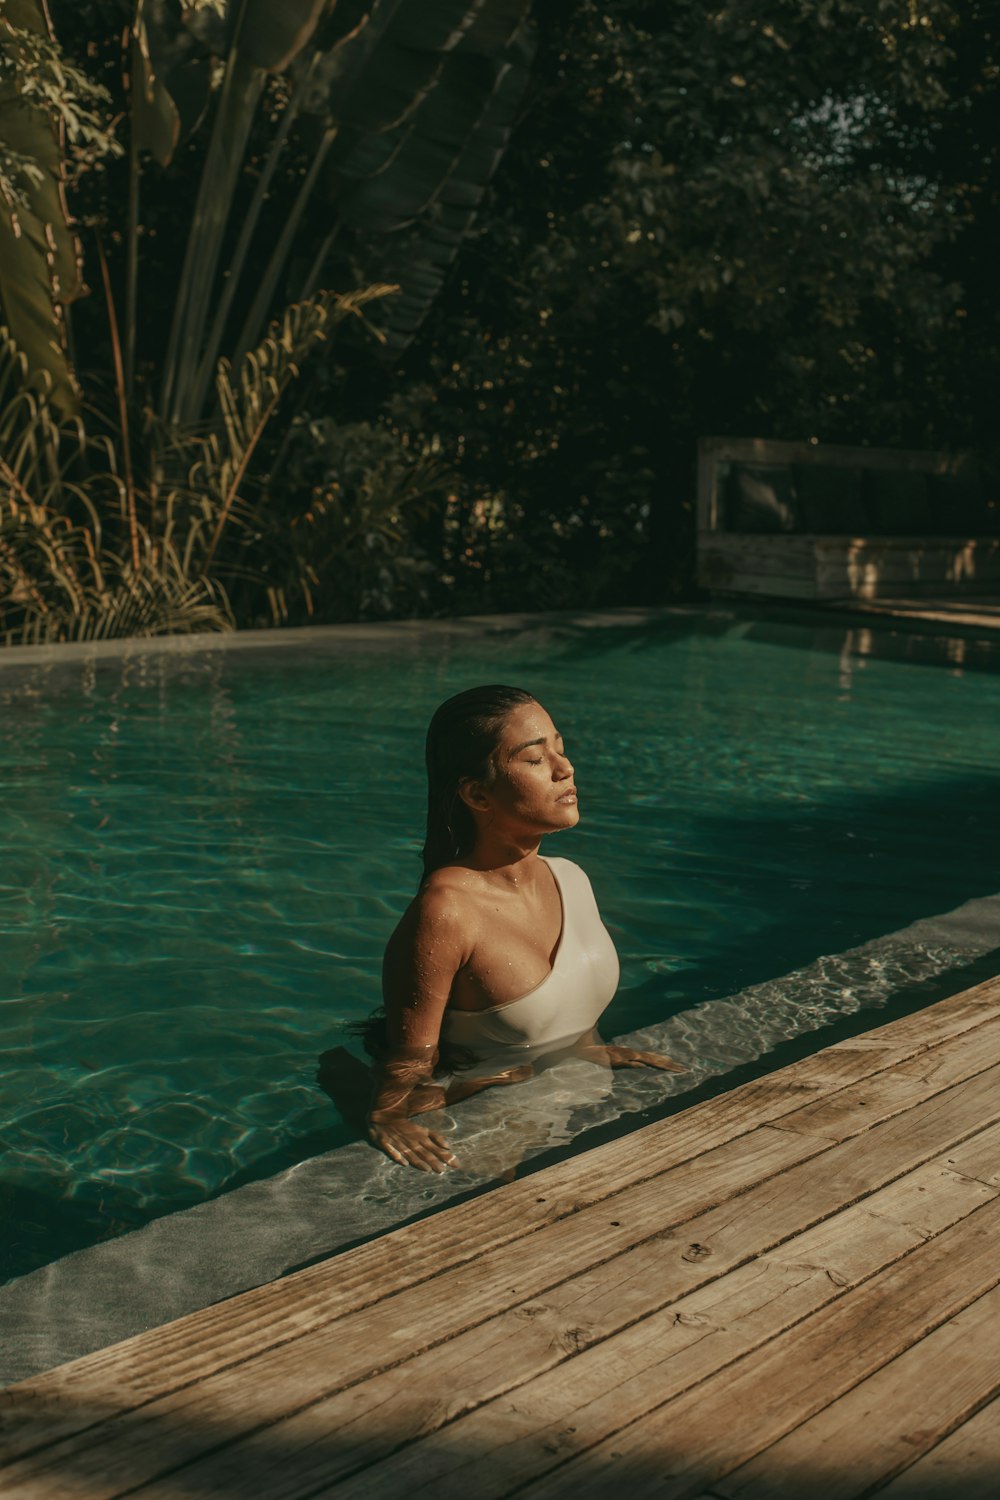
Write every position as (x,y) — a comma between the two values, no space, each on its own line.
(818,521)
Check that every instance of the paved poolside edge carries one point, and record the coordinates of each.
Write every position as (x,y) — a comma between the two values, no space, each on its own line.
(904,616)
(374,632)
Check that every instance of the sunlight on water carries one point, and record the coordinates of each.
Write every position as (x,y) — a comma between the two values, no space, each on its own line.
(204,855)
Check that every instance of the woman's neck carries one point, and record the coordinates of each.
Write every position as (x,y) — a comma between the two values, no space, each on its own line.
(509,859)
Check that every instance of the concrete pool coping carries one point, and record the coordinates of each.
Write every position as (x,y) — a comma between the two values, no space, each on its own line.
(961,618)
(374,632)
(258,1233)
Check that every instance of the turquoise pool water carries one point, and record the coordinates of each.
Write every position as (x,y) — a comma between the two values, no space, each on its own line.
(204,854)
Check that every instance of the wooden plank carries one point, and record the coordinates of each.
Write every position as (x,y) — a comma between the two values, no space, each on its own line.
(833,545)
(966,1464)
(84,1392)
(807,565)
(863,579)
(863,568)
(837,455)
(274,1382)
(836,1116)
(983,614)
(770,586)
(179,1428)
(758,571)
(658,1356)
(787,551)
(793,553)
(692,1441)
(875,1430)
(927,1027)
(736,586)
(699,1332)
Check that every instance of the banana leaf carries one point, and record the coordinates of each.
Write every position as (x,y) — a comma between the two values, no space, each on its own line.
(39,254)
(171,79)
(426,151)
(447,24)
(391,94)
(272,35)
(439,201)
(263,38)
(424,97)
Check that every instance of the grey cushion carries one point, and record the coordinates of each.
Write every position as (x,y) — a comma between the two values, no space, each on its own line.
(760,498)
(896,500)
(831,502)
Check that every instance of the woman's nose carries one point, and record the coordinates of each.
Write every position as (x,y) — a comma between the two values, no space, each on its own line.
(564,767)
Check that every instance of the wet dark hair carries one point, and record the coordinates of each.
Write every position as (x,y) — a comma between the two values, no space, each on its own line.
(461,739)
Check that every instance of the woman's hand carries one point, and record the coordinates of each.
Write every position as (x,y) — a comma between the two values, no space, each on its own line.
(405,1086)
(607,1055)
(409,1144)
(464,1088)
(627,1057)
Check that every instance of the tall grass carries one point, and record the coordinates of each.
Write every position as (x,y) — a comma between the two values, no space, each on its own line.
(140,529)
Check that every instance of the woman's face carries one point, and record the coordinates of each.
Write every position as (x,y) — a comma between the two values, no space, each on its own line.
(533,788)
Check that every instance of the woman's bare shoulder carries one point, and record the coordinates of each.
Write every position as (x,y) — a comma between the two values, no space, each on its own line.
(449,899)
(451,883)
(435,938)
(444,906)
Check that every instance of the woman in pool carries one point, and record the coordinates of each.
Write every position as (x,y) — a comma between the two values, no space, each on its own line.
(501,957)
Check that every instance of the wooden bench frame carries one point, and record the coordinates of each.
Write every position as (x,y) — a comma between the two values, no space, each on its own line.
(802,565)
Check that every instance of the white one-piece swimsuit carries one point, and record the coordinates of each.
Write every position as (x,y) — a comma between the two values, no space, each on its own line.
(566,1004)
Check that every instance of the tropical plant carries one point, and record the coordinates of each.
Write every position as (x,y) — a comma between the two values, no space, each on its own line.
(52,127)
(399,111)
(389,115)
(91,546)
(61,578)
(366,542)
(359,119)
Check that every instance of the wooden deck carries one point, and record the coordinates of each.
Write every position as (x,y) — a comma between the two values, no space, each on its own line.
(791,1290)
(978,615)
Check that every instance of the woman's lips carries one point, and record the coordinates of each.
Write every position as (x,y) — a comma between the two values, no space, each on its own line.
(567,796)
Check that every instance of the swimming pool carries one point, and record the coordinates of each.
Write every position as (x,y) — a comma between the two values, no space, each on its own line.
(205,851)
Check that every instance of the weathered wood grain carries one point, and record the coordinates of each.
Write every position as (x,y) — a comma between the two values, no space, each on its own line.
(810,566)
(664,1336)
(920,1397)
(278,1380)
(691,1442)
(836,1116)
(965,1465)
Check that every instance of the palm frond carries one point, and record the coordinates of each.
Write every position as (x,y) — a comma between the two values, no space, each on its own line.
(247,405)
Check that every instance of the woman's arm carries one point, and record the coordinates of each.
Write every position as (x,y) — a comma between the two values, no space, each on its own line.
(423,956)
(608,1055)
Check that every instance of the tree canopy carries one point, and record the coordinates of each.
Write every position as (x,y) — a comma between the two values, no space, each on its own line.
(767,219)
(615,228)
